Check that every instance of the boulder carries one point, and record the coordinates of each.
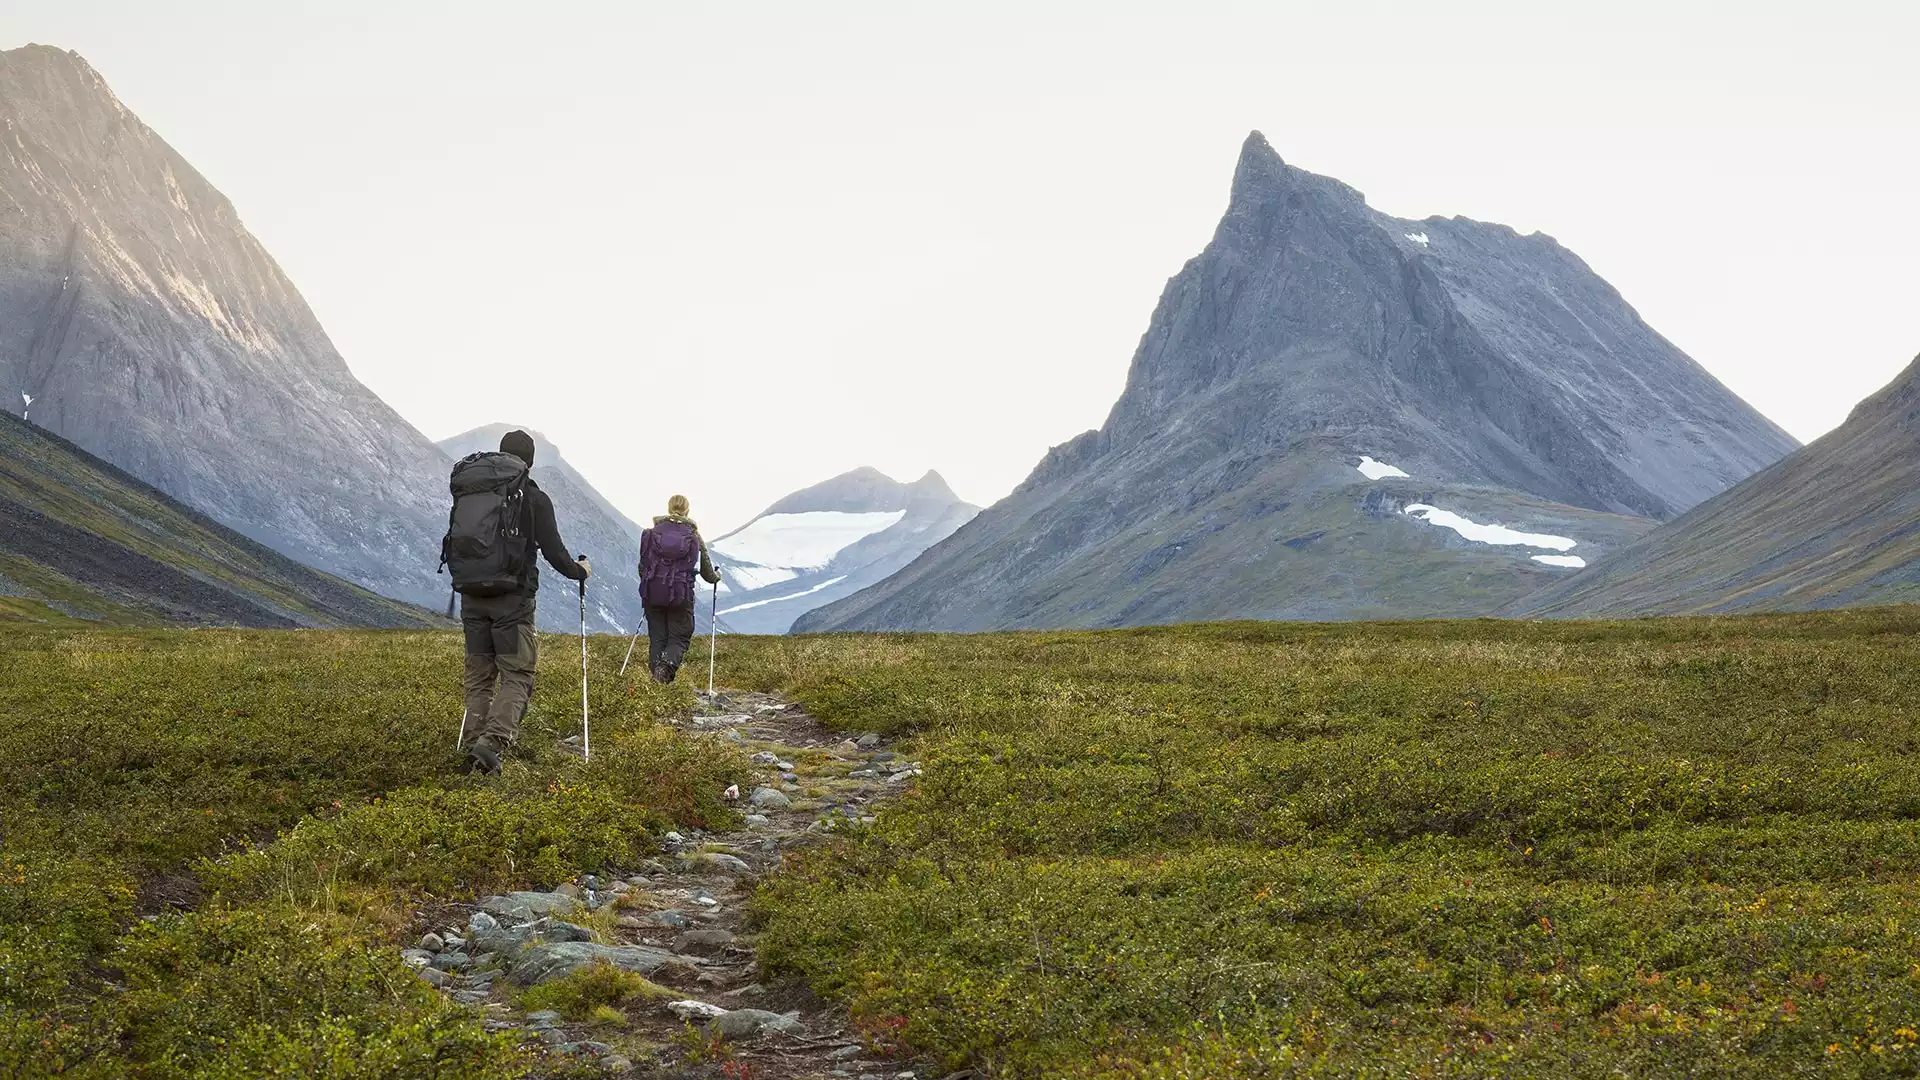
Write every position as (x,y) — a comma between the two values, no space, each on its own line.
(769,799)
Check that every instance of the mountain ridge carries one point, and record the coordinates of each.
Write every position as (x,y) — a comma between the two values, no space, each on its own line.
(151,329)
(88,542)
(1836,524)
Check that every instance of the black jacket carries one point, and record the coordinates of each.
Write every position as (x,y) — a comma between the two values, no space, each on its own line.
(544,532)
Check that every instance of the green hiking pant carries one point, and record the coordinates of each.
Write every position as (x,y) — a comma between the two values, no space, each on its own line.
(500,645)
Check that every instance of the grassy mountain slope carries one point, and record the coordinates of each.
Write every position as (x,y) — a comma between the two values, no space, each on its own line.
(1835,524)
(83,541)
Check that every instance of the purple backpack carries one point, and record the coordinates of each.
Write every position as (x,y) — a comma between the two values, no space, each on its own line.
(669,557)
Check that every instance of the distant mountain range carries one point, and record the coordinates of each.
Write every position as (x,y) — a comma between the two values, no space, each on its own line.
(81,540)
(1836,524)
(1328,414)
(141,321)
(589,524)
(1333,414)
(828,541)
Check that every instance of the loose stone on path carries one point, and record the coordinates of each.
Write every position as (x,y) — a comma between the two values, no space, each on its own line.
(677,919)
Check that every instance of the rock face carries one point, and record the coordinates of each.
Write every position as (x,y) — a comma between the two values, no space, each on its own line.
(589,524)
(81,539)
(148,327)
(1315,337)
(829,541)
(1835,525)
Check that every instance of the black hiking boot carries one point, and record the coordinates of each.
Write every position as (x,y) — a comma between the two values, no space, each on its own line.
(482,758)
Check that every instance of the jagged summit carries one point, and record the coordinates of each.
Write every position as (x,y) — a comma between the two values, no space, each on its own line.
(1494,373)
(860,490)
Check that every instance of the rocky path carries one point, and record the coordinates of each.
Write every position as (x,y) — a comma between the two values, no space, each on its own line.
(679,923)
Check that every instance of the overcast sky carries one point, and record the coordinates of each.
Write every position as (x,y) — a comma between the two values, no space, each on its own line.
(732,254)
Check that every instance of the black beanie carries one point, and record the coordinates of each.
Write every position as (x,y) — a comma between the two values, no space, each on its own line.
(519,444)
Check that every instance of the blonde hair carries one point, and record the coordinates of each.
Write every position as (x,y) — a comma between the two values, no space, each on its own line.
(678,505)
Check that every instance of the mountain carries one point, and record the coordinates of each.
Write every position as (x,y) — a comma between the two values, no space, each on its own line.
(1836,524)
(826,542)
(83,540)
(141,321)
(589,523)
(1315,349)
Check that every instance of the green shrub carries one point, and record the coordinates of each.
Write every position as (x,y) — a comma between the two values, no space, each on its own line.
(251,994)
(447,842)
(311,778)
(580,995)
(1674,847)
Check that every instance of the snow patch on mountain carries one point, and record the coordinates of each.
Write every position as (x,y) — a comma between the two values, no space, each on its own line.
(1377,470)
(751,576)
(1487,534)
(1573,561)
(790,596)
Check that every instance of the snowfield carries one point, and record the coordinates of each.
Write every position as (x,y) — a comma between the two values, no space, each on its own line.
(750,577)
(777,599)
(1487,534)
(804,541)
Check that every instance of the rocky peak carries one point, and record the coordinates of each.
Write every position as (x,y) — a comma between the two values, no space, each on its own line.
(152,330)
(933,487)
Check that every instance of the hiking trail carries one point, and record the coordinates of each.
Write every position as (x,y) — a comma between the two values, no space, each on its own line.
(679,922)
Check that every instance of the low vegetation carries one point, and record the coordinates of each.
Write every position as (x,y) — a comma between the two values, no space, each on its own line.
(1427,849)
(211,843)
(1683,847)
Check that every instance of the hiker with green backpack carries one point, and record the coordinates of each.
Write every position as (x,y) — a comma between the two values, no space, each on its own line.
(499,517)
(669,554)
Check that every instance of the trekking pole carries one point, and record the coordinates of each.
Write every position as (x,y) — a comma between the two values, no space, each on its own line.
(713,636)
(630,645)
(459,740)
(586,732)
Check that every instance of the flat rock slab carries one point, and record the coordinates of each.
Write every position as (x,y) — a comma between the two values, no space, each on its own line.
(526,906)
(752,1023)
(553,960)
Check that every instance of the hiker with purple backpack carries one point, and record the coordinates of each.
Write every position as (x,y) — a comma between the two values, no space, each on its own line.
(670,553)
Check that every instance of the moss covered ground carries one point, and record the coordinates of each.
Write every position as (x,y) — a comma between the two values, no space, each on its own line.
(1683,847)
(213,842)
(1676,847)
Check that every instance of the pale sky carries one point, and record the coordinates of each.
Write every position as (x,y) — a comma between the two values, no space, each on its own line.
(732,254)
